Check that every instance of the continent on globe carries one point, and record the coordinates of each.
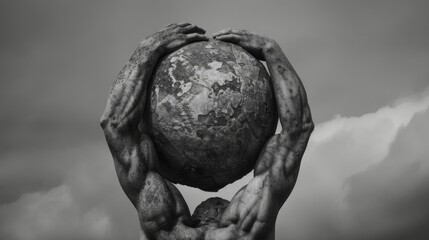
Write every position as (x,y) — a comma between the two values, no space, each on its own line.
(211,111)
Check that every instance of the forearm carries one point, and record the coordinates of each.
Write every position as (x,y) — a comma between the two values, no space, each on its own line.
(128,95)
(283,152)
(124,110)
(158,203)
(289,92)
(254,209)
(291,98)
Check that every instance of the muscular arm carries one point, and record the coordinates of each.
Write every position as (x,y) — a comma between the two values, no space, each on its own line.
(162,211)
(253,210)
(132,151)
(283,153)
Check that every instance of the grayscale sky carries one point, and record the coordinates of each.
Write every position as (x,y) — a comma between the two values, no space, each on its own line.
(365,66)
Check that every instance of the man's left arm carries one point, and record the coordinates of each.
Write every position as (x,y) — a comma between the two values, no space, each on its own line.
(253,210)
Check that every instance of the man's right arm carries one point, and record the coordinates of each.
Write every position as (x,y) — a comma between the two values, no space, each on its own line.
(160,206)
(131,150)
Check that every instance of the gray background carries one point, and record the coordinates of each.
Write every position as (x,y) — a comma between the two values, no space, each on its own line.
(365,66)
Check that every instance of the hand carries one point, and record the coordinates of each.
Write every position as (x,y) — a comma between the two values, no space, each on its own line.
(175,36)
(254,43)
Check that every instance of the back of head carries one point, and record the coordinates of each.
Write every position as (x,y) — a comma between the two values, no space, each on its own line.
(209,212)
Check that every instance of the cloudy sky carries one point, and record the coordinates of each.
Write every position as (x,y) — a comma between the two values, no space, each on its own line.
(365,65)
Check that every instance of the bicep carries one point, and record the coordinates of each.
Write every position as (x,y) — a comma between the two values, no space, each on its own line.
(162,209)
(275,151)
(281,161)
(134,155)
(159,204)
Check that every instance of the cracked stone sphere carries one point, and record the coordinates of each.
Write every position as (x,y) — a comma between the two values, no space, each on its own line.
(211,110)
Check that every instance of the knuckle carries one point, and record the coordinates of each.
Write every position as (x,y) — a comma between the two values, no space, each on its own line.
(181,36)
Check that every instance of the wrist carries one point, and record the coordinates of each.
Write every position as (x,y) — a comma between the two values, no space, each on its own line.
(271,47)
(145,53)
(151,46)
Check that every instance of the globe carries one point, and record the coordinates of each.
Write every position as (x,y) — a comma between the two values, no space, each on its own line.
(211,110)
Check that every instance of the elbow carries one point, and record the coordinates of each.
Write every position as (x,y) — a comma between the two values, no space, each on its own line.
(108,127)
(111,126)
(309,126)
(104,121)
(107,124)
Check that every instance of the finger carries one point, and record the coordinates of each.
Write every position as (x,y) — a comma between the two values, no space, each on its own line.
(169,25)
(240,32)
(222,32)
(229,31)
(183,24)
(195,37)
(175,26)
(233,38)
(192,29)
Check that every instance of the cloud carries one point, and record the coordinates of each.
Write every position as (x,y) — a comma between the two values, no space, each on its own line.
(321,205)
(347,163)
(389,200)
(59,59)
(86,201)
(356,171)
(52,215)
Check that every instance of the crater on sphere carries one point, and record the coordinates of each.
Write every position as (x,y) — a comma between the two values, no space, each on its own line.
(211,111)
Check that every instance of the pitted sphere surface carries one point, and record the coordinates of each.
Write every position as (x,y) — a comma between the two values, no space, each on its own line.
(211,111)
